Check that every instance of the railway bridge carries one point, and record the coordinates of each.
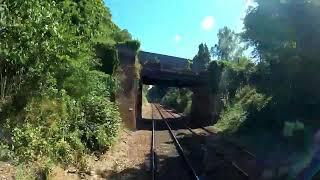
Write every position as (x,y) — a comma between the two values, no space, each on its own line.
(149,68)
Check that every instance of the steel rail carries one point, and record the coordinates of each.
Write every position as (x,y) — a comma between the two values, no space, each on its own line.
(234,144)
(210,132)
(153,164)
(179,147)
(221,154)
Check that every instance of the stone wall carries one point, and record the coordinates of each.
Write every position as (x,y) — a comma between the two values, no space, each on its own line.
(127,96)
(203,106)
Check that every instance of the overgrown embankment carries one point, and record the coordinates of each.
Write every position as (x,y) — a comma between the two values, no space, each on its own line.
(272,102)
(57,86)
(282,72)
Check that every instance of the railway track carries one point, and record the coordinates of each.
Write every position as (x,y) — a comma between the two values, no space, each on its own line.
(237,151)
(153,153)
(230,160)
(241,148)
(187,165)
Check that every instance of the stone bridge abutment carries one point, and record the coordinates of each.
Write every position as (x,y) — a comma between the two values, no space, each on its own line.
(132,78)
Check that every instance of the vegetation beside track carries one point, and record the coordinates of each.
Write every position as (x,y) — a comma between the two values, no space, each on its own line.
(277,89)
(57,82)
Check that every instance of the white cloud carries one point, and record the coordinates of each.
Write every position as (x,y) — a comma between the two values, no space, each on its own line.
(177,38)
(207,23)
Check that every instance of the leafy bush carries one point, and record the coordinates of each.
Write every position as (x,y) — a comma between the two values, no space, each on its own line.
(234,75)
(132,44)
(38,170)
(144,94)
(83,83)
(171,98)
(250,99)
(46,130)
(5,152)
(24,173)
(247,101)
(187,109)
(231,118)
(108,56)
(55,95)
(102,122)
(156,93)
(64,129)
(178,99)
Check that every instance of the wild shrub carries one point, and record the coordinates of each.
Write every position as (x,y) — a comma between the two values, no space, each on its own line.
(178,99)
(64,129)
(156,93)
(171,98)
(37,170)
(48,129)
(246,102)
(231,118)
(83,83)
(250,99)
(55,104)
(102,122)
(5,152)
(187,109)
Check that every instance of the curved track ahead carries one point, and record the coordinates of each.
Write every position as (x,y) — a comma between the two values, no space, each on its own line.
(185,161)
(240,150)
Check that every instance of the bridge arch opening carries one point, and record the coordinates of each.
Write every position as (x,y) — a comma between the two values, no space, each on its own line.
(160,70)
(175,77)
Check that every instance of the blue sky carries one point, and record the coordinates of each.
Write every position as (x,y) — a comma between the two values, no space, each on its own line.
(177,27)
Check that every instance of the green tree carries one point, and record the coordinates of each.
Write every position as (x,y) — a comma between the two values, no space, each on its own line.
(44,40)
(55,96)
(286,26)
(178,99)
(156,93)
(122,36)
(285,35)
(202,59)
(229,45)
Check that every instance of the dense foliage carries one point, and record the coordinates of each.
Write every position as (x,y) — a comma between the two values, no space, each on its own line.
(229,45)
(156,93)
(145,89)
(178,99)
(246,103)
(201,59)
(56,85)
(231,82)
(276,98)
(285,35)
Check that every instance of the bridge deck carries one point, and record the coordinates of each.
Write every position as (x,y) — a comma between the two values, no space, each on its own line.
(169,71)
(171,78)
